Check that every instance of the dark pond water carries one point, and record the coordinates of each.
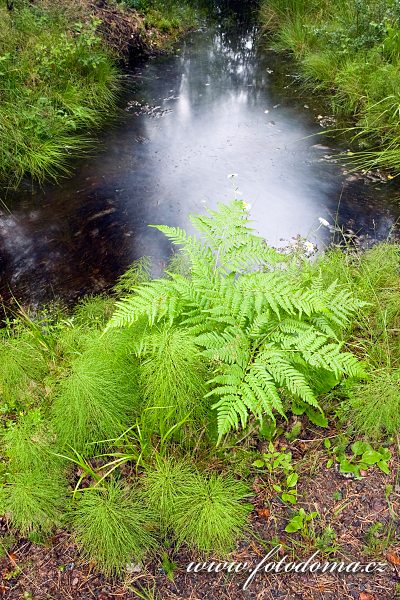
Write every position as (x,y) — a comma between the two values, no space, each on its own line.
(220,105)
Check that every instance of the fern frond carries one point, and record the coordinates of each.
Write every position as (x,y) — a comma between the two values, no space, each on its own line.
(232,413)
(138,273)
(154,300)
(286,375)
(228,233)
(271,399)
(263,322)
(230,346)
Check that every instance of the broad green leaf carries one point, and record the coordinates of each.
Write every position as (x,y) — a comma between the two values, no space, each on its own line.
(311,516)
(371,457)
(317,418)
(359,448)
(384,467)
(385,453)
(347,467)
(295,524)
(288,497)
(292,480)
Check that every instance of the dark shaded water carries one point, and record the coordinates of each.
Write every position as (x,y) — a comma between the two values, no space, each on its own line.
(221,105)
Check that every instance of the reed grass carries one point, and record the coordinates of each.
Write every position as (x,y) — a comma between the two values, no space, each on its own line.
(351,50)
(57,84)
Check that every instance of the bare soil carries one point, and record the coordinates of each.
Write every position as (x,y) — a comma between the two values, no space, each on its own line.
(350,507)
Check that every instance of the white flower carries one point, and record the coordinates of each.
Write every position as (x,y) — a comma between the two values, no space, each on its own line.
(323,222)
(309,246)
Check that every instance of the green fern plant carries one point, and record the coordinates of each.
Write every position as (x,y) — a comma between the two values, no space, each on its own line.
(112,527)
(265,331)
(138,272)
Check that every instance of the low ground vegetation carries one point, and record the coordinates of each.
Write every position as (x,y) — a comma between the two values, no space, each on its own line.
(60,76)
(349,51)
(166,418)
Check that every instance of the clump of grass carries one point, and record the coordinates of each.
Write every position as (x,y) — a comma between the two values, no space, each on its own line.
(35,500)
(295,36)
(94,402)
(349,81)
(93,312)
(23,367)
(112,527)
(57,82)
(373,408)
(318,68)
(204,512)
(172,375)
(163,483)
(167,16)
(28,444)
(352,51)
(378,282)
(209,513)
(374,276)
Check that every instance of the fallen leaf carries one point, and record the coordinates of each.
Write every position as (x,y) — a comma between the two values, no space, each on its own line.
(393,558)
(13,557)
(264,512)
(365,596)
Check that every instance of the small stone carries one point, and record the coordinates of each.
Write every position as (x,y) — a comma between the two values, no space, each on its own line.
(133,568)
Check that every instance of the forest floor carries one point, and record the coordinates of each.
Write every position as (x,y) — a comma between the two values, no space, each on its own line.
(362,514)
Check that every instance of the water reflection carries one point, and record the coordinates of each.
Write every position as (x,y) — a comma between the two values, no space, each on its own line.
(222,105)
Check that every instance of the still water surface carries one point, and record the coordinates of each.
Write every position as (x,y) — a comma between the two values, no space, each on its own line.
(220,105)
